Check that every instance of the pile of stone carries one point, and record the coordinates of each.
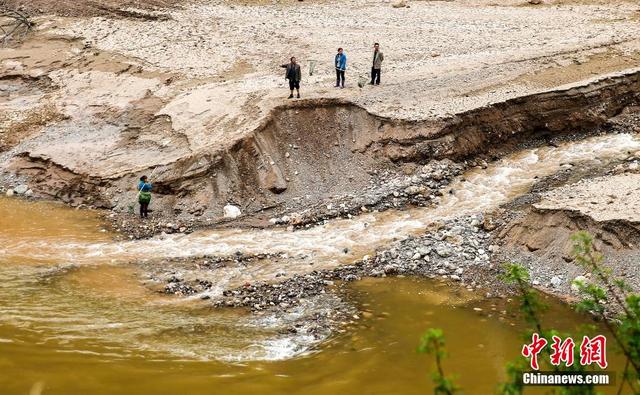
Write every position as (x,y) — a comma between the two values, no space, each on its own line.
(457,250)
(20,190)
(452,252)
(283,294)
(418,185)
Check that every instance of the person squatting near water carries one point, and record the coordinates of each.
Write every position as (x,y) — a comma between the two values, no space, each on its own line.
(294,75)
(378,57)
(144,196)
(341,67)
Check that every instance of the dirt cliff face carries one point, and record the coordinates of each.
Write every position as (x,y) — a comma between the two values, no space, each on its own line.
(604,206)
(326,147)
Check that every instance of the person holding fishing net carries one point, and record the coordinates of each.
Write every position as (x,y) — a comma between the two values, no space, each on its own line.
(144,196)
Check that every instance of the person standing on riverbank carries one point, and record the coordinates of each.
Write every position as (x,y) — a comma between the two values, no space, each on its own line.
(378,57)
(341,67)
(144,196)
(294,75)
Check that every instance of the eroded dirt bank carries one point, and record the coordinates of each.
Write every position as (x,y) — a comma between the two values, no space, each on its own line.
(313,152)
(86,111)
(316,150)
(540,234)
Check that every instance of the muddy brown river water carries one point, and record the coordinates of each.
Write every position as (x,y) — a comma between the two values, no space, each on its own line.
(76,319)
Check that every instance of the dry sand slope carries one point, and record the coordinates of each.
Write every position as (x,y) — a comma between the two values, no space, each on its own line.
(87,102)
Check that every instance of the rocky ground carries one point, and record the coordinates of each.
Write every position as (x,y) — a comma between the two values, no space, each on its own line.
(70,8)
(458,251)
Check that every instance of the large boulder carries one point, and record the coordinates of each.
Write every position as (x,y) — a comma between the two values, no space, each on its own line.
(21,189)
(231,211)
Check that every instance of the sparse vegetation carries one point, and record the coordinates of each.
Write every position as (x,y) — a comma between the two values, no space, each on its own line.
(432,343)
(14,23)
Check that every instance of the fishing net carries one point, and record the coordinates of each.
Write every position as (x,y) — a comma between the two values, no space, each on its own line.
(312,66)
(362,81)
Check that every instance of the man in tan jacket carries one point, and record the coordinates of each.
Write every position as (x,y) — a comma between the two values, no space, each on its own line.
(378,57)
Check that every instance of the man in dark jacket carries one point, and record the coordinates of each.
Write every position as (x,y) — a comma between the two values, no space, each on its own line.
(294,75)
(378,57)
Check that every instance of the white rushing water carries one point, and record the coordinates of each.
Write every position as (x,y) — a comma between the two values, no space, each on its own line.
(83,307)
(478,191)
(103,310)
